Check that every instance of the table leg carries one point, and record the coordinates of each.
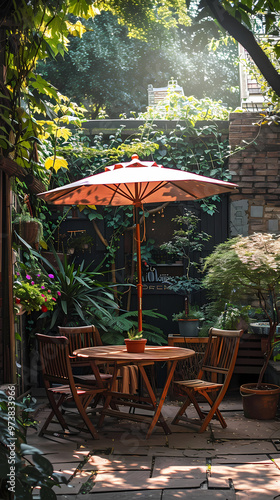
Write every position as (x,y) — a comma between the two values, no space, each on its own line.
(158,415)
(109,396)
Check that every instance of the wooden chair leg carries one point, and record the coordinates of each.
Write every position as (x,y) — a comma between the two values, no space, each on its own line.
(181,411)
(54,411)
(82,411)
(214,410)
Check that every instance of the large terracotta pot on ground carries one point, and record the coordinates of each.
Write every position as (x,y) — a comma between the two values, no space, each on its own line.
(260,404)
(137,345)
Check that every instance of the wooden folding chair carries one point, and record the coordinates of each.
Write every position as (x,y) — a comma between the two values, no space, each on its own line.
(59,380)
(79,337)
(214,376)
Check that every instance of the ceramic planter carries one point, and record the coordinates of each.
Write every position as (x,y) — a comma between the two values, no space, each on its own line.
(260,404)
(188,327)
(137,345)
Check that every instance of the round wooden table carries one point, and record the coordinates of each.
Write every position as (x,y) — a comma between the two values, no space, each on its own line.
(117,355)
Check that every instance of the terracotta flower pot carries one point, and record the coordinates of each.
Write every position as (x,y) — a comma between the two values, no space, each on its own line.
(260,404)
(137,345)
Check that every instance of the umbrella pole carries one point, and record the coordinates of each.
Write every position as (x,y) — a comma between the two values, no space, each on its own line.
(139,270)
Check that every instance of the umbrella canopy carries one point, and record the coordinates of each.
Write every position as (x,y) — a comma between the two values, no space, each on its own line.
(137,182)
(134,183)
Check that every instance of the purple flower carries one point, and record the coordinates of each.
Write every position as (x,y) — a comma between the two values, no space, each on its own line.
(38,275)
(42,286)
(51,276)
(28,277)
(32,282)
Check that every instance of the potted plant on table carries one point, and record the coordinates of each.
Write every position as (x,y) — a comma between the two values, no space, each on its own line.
(242,269)
(135,341)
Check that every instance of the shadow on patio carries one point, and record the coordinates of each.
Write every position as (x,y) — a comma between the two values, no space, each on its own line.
(238,462)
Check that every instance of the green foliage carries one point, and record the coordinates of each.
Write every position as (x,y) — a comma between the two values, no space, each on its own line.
(31,296)
(247,268)
(115,330)
(82,294)
(183,108)
(133,334)
(194,313)
(231,317)
(185,241)
(27,466)
(112,72)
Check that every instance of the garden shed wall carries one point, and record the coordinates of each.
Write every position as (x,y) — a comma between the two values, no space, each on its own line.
(256,169)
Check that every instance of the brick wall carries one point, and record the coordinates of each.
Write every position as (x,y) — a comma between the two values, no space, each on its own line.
(256,170)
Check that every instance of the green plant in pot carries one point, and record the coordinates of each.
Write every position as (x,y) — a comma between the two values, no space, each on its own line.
(187,241)
(242,269)
(188,321)
(135,341)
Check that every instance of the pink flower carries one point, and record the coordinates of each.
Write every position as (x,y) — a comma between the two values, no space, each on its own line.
(42,295)
(32,282)
(17,273)
(51,276)
(59,293)
(43,288)
(49,291)
(38,275)
(53,299)
(28,277)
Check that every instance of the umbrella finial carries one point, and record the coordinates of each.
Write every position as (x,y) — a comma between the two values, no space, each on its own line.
(135,157)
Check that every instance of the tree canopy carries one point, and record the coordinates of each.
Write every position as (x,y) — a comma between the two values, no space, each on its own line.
(245,22)
(106,69)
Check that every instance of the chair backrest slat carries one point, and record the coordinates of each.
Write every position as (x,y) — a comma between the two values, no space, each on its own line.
(79,337)
(220,355)
(54,355)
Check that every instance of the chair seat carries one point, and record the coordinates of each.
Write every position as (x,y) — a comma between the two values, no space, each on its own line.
(92,378)
(197,384)
(217,364)
(65,389)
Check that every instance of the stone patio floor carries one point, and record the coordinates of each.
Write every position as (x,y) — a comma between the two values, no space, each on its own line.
(239,462)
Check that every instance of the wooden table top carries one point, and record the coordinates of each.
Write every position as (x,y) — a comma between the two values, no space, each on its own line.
(119,353)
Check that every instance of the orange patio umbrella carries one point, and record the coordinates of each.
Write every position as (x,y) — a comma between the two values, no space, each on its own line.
(134,183)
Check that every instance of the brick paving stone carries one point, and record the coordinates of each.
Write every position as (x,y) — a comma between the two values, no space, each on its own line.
(257,495)
(191,470)
(243,428)
(115,462)
(276,458)
(276,443)
(115,495)
(237,447)
(245,477)
(240,459)
(114,480)
(191,440)
(164,451)
(198,495)
(199,453)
